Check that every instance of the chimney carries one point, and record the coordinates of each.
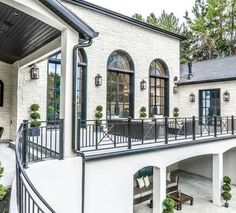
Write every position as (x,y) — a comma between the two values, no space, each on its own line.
(190,71)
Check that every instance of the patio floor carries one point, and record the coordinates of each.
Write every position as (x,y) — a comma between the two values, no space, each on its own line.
(200,189)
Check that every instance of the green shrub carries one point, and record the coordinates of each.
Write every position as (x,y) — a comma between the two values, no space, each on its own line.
(169,205)
(143,113)
(176,112)
(3,189)
(176,109)
(34,107)
(227,179)
(143,109)
(99,108)
(226,187)
(1,169)
(226,196)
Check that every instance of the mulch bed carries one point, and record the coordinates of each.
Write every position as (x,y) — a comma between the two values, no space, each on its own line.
(4,204)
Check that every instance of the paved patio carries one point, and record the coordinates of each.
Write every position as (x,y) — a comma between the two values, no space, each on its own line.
(200,189)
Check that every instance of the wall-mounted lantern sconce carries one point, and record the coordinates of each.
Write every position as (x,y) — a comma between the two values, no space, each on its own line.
(192,98)
(143,85)
(226,96)
(98,80)
(175,89)
(34,72)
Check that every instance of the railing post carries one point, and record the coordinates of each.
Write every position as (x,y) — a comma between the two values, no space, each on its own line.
(96,126)
(166,130)
(155,130)
(215,126)
(142,131)
(25,143)
(232,124)
(194,127)
(78,134)
(129,133)
(61,145)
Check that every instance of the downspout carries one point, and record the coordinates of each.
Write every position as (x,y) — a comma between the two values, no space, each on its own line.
(80,45)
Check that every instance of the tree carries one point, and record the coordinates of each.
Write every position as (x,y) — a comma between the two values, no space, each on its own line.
(138,17)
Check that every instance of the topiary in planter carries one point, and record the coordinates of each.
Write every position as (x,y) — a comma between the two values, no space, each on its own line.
(226,188)
(176,112)
(168,205)
(35,116)
(143,113)
(98,117)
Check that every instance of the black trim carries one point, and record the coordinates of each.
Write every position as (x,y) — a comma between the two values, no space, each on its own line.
(124,18)
(70,18)
(1,93)
(155,148)
(206,81)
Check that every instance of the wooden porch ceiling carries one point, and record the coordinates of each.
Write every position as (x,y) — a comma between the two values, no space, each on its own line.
(22,34)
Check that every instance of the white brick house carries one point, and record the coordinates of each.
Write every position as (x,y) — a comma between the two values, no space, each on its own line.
(140,67)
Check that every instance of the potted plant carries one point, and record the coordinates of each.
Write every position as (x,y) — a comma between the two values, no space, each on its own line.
(98,118)
(34,124)
(176,112)
(226,188)
(168,205)
(143,113)
(3,189)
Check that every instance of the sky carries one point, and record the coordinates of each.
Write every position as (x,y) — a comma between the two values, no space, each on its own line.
(145,7)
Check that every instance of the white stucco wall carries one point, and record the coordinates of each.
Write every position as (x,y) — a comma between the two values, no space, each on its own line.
(142,45)
(192,109)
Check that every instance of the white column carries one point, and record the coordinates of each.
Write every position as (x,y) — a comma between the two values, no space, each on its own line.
(69,39)
(159,188)
(217,179)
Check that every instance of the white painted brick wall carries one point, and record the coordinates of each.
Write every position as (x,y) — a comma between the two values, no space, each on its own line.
(143,46)
(5,111)
(192,109)
(32,92)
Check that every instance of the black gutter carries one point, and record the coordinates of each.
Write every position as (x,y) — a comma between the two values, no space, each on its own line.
(206,81)
(124,18)
(155,148)
(80,45)
(70,18)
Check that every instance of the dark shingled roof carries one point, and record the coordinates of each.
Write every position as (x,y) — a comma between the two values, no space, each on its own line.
(213,70)
(70,18)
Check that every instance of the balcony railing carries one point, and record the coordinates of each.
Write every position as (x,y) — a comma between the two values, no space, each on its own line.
(120,134)
(31,146)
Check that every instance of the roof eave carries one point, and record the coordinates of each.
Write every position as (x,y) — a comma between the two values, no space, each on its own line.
(70,18)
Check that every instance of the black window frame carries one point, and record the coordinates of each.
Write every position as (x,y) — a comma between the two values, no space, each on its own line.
(117,71)
(201,99)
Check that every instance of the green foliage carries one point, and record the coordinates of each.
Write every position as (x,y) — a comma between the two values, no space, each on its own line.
(143,113)
(210,31)
(34,107)
(138,17)
(98,115)
(227,179)
(168,205)
(3,192)
(176,112)
(226,195)
(226,187)
(3,189)
(34,115)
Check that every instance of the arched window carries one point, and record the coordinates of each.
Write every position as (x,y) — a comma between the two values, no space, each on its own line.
(1,93)
(81,85)
(158,88)
(120,85)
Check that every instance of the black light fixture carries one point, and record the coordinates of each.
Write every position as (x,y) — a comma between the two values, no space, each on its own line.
(175,89)
(34,72)
(226,96)
(98,80)
(143,85)
(192,98)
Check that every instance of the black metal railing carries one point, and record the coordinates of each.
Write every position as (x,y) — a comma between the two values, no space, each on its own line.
(34,145)
(129,133)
